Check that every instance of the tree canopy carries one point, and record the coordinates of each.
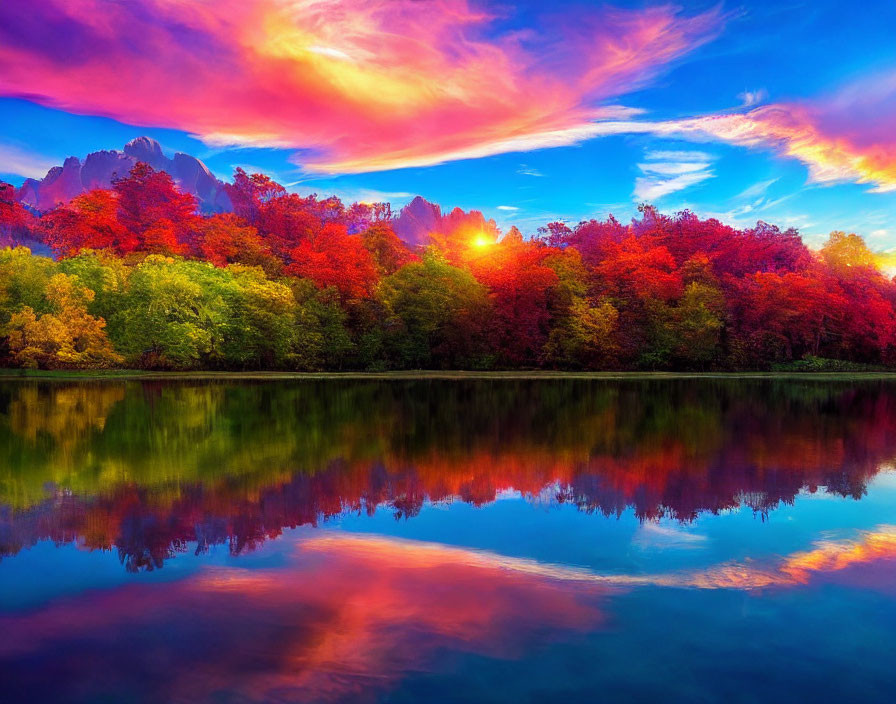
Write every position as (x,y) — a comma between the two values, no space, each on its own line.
(140,278)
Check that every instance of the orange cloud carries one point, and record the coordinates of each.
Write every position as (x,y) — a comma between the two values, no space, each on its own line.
(796,131)
(792,570)
(844,137)
(357,86)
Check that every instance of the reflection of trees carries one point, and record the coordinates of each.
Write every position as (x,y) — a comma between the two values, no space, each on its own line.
(66,414)
(149,467)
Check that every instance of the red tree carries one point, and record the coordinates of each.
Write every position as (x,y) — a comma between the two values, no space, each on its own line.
(226,239)
(161,216)
(89,221)
(388,251)
(335,258)
(520,286)
(12,213)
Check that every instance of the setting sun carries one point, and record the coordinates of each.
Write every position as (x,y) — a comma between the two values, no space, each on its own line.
(482,241)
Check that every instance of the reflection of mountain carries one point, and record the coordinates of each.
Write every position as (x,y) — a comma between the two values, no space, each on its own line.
(99,169)
(149,467)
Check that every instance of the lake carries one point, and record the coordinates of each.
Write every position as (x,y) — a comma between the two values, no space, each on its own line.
(689,540)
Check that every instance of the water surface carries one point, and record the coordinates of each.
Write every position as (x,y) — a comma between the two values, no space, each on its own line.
(405,541)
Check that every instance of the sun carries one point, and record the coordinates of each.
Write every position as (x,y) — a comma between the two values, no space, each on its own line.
(482,241)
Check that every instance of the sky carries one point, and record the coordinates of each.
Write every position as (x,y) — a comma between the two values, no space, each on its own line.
(529,111)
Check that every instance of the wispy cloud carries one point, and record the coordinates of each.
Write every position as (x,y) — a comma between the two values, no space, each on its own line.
(507,207)
(352,195)
(678,155)
(844,137)
(756,190)
(749,98)
(847,138)
(667,172)
(525,170)
(831,155)
(17,161)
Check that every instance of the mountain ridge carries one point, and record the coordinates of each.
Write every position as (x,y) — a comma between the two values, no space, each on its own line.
(100,168)
(416,223)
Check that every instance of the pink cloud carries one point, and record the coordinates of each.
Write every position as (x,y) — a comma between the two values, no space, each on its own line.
(833,150)
(356,86)
(846,137)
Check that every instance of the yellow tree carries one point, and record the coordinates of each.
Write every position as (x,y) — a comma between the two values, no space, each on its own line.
(844,251)
(67,337)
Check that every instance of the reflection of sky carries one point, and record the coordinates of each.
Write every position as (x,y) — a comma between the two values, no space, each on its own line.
(514,528)
(331,615)
(498,603)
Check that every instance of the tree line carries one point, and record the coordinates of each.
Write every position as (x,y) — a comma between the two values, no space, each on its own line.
(142,279)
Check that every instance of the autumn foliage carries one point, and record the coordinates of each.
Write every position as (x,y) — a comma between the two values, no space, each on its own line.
(299,282)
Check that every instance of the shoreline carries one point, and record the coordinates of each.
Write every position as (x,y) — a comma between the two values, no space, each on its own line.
(424,375)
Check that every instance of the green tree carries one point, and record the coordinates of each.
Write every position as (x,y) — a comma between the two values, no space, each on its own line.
(699,322)
(259,329)
(435,315)
(582,334)
(24,278)
(583,337)
(103,273)
(321,337)
(166,317)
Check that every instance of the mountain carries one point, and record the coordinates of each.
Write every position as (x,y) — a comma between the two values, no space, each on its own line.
(74,177)
(419,219)
(415,224)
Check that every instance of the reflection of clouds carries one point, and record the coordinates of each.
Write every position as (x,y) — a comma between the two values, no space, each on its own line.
(887,477)
(792,570)
(421,555)
(658,536)
(344,621)
(831,556)
(347,619)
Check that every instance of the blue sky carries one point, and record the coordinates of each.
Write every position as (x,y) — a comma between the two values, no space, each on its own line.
(804,90)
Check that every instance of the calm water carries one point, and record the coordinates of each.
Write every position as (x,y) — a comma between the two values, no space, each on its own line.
(498,541)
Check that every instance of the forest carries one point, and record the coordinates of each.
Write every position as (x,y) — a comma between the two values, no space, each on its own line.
(140,278)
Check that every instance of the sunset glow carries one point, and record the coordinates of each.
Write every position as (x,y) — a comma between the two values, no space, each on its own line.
(348,97)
